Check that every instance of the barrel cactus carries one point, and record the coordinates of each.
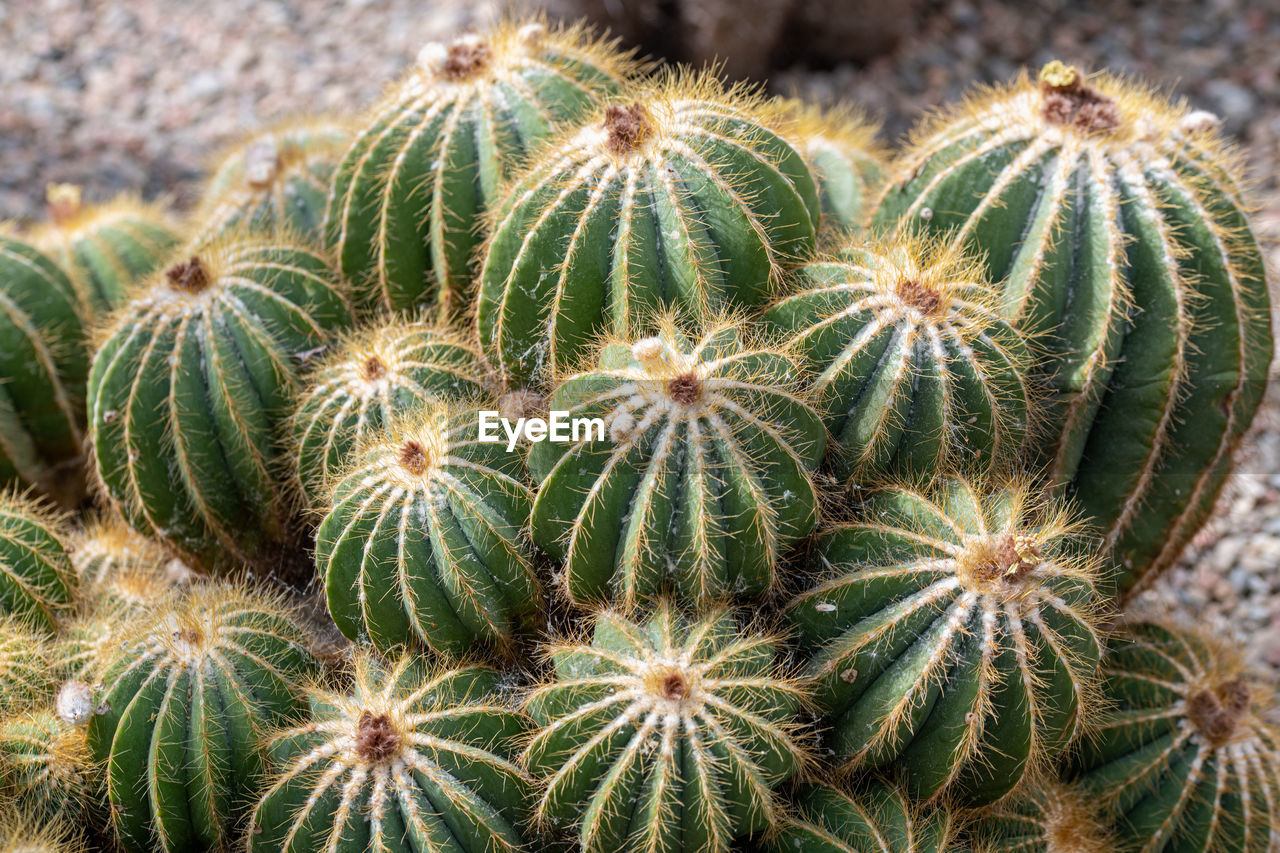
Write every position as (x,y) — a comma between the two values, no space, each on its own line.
(114,564)
(391,368)
(277,180)
(1187,754)
(22,831)
(1115,224)
(951,636)
(847,163)
(191,392)
(1046,818)
(105,249)
(423,541)
(695,480)
(875,818)
(416,183)
(43,365)
(36,577)
(86,644)
(677,196)
(26,678)
(184,710)
(45,765)
(915,372)
(409,759)
(664,735)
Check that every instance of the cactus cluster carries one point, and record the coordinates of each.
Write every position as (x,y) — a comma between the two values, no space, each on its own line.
(567,455)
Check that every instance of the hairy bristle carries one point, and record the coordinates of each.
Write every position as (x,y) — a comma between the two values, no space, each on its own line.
(376,737)
(674,687)
(465,58)
(188,276)
(64,202)
(413,457)
(628,127)
(914,292)
(374,368)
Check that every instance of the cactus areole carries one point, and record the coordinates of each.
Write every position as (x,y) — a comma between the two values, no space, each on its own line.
(1114,223)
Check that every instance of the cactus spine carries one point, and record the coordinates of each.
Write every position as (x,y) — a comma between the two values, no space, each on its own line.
(371,377)
(1047,818)
(677,196)
(1092,199)
(418,179)
(423,541)
(183,711)
(25,832)
(105,249)
(191,393)
(36,577)
(116,565)
(700,482)
(951,636)
(847,163)
(276,181)
(43,363)
(411,759)
(664,735)
(1186,755)
(915,372)
(876,818)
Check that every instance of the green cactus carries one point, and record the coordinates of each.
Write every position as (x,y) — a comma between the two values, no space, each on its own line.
(376,373)
(414,187)
(950,635)
(423,541)
(1114,221)
(698,484)
(114,564)
(664,735)
(26,677)
(26,832)
(1047,818)
(183,712)
(105,249)
(92,640)
(43,365)
(276,181)
(410,759)
(190,396)
(36,577)
(915,372)
(847,162)
(45,765)
(1187,754)
(677,196)
(876,818)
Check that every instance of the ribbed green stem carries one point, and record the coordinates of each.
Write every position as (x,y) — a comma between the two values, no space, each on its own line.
(667,735)
(26,677)
(191,395)
(683,199)
(950,637)
(874,818)
(36,577)
(411,759)
(45,765)
(700,482)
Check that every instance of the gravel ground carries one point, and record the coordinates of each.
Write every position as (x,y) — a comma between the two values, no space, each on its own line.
(139,96)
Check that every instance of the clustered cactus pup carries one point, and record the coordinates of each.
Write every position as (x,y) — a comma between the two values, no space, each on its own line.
(43,362)
(424,542)
(410,758)
(37,582)
(675,195)
(191,393)
(951,637)
(1048,817)
(184,710)
(45,765)
(667,734)
(847,163)
(26,677)
(914,371)
(105,248)
(701,482)
(415,185)
(874,818)
(1114,223)
(116,565)
(1187,755)
(278,179)
(373,375)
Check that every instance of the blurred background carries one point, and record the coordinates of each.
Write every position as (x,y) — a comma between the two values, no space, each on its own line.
(139,95)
